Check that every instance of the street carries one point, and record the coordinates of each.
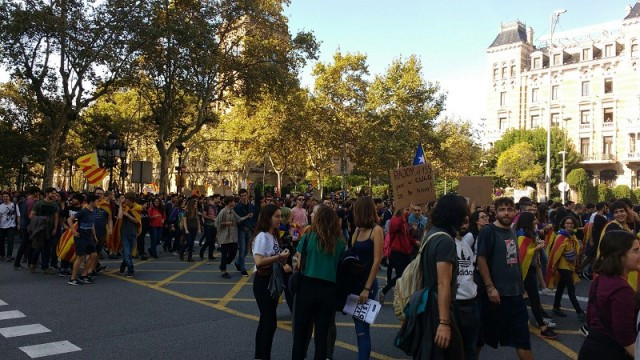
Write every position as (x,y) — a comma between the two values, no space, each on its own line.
(176,309)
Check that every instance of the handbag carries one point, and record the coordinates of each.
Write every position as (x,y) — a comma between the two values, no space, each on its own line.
(296,277)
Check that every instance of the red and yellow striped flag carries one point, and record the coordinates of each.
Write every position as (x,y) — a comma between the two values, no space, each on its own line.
(91,169)
(66,249)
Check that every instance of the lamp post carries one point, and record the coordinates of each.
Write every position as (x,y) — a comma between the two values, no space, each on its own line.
(123,165)
(563,191)
(108,155)
(555,17)
(180,147)
(70,159)
(23,171)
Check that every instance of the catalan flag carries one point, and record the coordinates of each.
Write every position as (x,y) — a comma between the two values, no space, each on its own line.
(91,169)
(115,242)
(562,240)
(66,249)
(526,251)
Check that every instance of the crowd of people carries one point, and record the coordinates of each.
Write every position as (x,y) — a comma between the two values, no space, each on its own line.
(484,265)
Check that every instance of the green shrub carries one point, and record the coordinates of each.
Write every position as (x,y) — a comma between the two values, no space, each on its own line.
(604,192)
(580,182)
(380,191)
(622,191)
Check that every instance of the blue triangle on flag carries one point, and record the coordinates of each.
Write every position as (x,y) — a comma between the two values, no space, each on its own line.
(419,159)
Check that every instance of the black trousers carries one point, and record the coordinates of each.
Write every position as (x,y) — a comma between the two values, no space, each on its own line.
(314,304)
(268,317)
(531,286)
(399,262)
(228,254)
(210,240)
(566,280)
(24,249)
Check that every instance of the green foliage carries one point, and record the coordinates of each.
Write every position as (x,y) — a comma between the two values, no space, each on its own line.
(604,192)
(579,180)
(517,164)
(380,191)
(636,194)
(623,191)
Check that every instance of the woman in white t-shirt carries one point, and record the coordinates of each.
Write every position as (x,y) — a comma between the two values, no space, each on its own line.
(266,252)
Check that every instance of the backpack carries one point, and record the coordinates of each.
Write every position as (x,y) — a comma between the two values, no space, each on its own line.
(410,281)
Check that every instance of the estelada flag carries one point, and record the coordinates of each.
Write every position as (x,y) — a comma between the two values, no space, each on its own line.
(557,252)
(91,168)
(115,242)
(66,249)
(526,251)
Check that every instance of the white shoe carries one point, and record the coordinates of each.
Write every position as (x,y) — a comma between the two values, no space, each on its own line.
(546,291)
(549,323)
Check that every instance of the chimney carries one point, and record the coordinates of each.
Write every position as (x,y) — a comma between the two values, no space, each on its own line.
(530,35)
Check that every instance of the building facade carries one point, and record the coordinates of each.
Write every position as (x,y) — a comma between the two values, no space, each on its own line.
(587,81)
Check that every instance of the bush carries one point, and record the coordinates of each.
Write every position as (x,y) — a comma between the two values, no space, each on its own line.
(380,191)
(622,191)
(636,194)
(604,192)
(580,182)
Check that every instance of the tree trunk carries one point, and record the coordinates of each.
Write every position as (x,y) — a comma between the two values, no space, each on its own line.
(55,140)
(163,170)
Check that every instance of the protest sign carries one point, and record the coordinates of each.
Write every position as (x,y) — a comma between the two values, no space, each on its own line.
(413,184)
(367,312)
(477,189)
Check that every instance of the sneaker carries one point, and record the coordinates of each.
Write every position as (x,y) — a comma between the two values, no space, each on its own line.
(74,282)
(19,267)
(237,267)
(130,274)
(546,315)
(587,276)
(175,253)
(546,291)
(86,280)
(48,271)
(10,258)
(244,273)
(101,268)
(64,273)
(584,330)
(559,313)
(582,317)
(549,323)
(226,275)
(549,334)
(122,266)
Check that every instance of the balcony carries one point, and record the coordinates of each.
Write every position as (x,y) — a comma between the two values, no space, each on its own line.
(599,159)
(586,127)
(610,125)
(632,157)
(633,124)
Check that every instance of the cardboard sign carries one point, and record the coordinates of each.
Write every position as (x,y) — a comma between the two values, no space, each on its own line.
(477,189)
(413,184)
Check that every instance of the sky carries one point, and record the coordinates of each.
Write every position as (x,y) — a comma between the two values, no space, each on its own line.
(450,37)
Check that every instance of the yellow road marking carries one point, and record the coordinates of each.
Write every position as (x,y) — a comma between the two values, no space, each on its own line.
(385,326)
(178,274)
(235,290)
(232,300)
(568,332)
(227,310)
(563,349)
(208,283)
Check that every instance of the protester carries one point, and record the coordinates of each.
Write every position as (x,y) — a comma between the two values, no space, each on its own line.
(367,246)
(85,241)
(611,311)
(190,225)
(209,214)
(314,302)
(227,225)
(266,253)
(9,223)
(43,227)
(129,216)
(156,219)
(25,244)
(402,247)
(245,211)
(142,235)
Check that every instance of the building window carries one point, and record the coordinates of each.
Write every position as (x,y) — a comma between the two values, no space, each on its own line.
(503,98)
(555,119)
(535,121)
(504,72)
(536,63)
(585,88)
(632,143)
(608,50)
(607,146)
(495,73)
(608,177)
(554,92)
(534,95)
(584,147)
(502,123)
(585,54)
(608,86)
(585,117)
(607,115)
(634,48)
(513,70)
(557,59)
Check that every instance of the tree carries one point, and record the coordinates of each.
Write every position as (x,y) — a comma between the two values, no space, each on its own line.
(518,164)
(200,55)
(579,180)
(456,152)
(70,53)
(400,112)
(538,139)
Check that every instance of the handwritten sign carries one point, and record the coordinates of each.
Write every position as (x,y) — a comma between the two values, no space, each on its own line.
(413,184)
(477,189)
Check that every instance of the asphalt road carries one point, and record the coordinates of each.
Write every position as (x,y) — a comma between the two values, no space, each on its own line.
(175,310)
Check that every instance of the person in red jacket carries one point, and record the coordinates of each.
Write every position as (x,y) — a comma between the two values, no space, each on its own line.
(402,245)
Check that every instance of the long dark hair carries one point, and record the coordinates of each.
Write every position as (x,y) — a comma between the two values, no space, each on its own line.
(525,222)
(264,220)
(450,213)
(613,247)
(326,225)
(473,223)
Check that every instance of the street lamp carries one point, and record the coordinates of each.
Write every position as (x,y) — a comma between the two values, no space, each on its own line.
(23,171)
(563,187)
(180,147)
(70,159)
(555,17)
(123,165)
(108,155)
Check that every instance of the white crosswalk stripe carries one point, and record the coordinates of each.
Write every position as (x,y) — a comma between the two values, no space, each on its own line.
(49,349)
(23,330)
(13,314)
(2,303)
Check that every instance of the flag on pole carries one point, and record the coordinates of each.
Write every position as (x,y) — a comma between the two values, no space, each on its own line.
(91,169)
(419,159)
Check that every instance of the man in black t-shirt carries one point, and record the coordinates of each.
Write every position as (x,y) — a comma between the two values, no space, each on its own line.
(75,205)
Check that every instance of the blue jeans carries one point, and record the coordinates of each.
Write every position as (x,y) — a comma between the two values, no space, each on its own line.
(156,236)
(362,329)
(243,242)
(188,245)
(128,242)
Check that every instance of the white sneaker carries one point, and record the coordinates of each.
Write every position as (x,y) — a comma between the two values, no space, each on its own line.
(549,323)
(546,291)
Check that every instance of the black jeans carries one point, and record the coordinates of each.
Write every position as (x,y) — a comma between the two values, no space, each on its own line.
(314,304)
(228,254)
(268,317)
(531,286)
(210,240)
(566,280)
(24,249)
(399,262)
(467,315)
(140,241)
(7,235)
